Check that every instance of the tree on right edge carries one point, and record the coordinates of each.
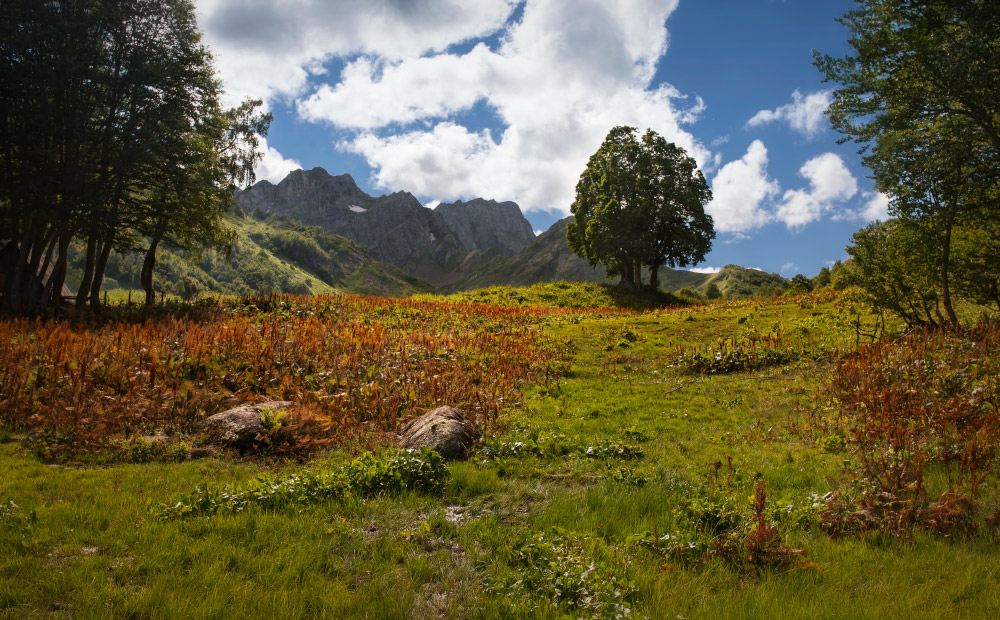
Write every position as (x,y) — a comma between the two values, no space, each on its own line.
(921,94)
(640,202)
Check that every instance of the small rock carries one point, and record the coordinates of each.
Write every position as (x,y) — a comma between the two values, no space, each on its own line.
(239,427)
(445,430)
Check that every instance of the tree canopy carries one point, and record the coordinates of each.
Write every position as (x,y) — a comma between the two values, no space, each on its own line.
(112,133)
(921,94)
(640,202)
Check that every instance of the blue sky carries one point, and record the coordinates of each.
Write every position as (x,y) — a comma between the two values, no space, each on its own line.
(505,99)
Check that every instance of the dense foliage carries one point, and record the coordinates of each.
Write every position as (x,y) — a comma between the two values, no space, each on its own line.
(365,476)
(919,93)
(113,135)
(924,407)
(353,365)
(271,254)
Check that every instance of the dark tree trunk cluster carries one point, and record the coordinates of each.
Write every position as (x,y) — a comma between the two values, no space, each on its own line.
(112,135)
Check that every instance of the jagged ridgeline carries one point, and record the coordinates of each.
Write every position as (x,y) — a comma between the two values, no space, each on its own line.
(318,233)
(435,245)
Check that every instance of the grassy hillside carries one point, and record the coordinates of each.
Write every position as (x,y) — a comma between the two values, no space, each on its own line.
(549,259)
(563,294)
(272,254)
(725,460)
(732,281)
(277,254)
(676,279)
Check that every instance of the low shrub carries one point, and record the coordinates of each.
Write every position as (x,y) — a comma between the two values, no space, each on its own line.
(927,402)
(365,476)
(561,567)
(748,351)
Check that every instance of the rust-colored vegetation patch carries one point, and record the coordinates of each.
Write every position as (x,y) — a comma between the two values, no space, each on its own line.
(353,366)
(923,416)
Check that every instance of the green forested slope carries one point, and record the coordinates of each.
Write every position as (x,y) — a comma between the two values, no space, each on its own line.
(271,254)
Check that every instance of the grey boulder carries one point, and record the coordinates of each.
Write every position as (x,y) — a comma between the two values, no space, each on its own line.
(445,430)
(238,427)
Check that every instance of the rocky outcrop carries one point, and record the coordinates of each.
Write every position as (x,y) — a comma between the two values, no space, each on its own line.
(445,430)
(309,196)
(396,228)
(238,427)
(429,244)
(487,224)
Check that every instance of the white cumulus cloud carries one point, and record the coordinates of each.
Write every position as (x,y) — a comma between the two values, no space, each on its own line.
(268,49)
(705,269)
(804,114)
(553,77)
(273,166)
(829,182)
(877,207)
(739,191)
(370,96)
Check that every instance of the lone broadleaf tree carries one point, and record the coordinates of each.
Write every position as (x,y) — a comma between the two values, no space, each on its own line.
(640,202)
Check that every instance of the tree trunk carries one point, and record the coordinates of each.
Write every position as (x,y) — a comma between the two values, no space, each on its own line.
(58,278)
(15,280)
(102,262)
(654,280)
(945,288)
(625,272)
(629,272)
(41,289)
(83,293)
(637,274)
(147,271)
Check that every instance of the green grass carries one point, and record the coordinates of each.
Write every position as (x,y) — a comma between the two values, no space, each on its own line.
(562,294)
(82,542)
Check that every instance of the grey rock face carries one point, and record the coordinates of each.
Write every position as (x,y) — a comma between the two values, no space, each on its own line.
(238,427)
(433,245)
(396,228)
(445,430)
(484,224)
(305,195)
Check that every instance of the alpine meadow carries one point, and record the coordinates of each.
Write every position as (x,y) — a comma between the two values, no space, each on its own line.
(236,386)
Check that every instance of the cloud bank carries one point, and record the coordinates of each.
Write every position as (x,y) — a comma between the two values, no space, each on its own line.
(806,115)
(502,99)
(418,77)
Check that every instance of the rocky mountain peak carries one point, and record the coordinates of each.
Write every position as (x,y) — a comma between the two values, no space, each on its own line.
(431,244)
(484,224)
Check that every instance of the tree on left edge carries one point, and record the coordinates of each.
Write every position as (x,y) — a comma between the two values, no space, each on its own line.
(112,134)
